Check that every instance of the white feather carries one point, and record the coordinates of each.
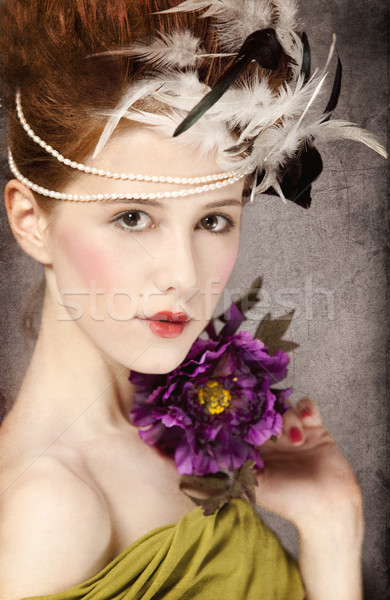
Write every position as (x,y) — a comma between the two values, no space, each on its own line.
(330,54)
(286,12)
(241,103)
(182,90)
(286,106)
(291,44)
(137,91)
(252,106)
(337,130)
(204,137)
(235,21)
(180,49)
(313,97)
(187,6)
(278,189)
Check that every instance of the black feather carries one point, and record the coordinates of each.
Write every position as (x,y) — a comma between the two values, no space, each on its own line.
(306,58)
(297,176)
(261,46)
(334,97)
(222,85)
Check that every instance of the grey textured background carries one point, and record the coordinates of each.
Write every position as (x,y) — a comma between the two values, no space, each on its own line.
(328,262)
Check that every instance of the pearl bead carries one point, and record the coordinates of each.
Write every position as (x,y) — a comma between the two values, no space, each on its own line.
(99,197)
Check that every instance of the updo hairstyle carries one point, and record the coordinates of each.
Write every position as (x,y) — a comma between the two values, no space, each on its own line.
(45,51)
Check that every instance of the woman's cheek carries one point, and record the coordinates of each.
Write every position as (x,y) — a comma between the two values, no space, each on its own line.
(213,287)
(84,259)
(225,263)
(226,266)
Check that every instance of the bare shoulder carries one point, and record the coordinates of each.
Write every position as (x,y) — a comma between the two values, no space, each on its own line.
(50,517)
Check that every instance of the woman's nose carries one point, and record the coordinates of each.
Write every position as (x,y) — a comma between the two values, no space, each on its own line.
(176,265)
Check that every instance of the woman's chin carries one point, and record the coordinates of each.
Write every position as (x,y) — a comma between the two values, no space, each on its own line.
(158,362)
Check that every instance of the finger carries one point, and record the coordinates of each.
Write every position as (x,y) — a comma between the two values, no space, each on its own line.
(308,412)
(293,430)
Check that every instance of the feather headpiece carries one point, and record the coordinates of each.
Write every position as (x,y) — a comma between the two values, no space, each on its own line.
(276,130)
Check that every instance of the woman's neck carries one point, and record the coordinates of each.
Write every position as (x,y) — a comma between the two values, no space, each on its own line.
(69,383)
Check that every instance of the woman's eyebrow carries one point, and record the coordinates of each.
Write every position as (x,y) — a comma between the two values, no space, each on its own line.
(216,204)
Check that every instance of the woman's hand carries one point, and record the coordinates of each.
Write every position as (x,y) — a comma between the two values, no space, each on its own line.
(307,480)
(306,477)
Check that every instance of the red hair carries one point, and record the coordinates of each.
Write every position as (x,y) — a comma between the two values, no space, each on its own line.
(44,45)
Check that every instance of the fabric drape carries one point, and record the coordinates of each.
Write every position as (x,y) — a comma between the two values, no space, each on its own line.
(230,555)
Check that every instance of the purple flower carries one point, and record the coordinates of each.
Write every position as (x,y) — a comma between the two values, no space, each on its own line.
(214,410)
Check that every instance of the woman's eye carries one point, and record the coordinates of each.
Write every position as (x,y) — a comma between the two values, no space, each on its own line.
(134,220)
(216,223)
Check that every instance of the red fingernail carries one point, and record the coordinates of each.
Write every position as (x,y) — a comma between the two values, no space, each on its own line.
(306,412)
(295,435)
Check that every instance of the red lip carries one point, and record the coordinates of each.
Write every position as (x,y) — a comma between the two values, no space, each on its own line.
(166,324)
(166,315)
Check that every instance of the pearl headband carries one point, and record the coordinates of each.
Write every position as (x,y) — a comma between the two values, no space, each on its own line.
(103,173)
(125,196)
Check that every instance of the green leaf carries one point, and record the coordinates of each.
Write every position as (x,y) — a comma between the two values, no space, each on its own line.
(221,487)
(249,299)
(206,483)
(271,331)
(246,481)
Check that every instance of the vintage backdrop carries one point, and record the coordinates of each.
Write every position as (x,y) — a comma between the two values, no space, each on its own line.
(328,262)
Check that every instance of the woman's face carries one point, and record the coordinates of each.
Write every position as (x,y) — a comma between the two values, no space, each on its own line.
(116,264)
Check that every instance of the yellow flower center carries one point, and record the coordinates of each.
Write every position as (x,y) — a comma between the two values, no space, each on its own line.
(214,397)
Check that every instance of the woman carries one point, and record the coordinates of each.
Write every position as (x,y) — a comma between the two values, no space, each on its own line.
(129,287)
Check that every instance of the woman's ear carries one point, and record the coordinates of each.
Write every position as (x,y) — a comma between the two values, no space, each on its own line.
(27,221)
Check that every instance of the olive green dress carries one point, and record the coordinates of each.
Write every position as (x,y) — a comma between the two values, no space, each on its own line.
(230,555)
